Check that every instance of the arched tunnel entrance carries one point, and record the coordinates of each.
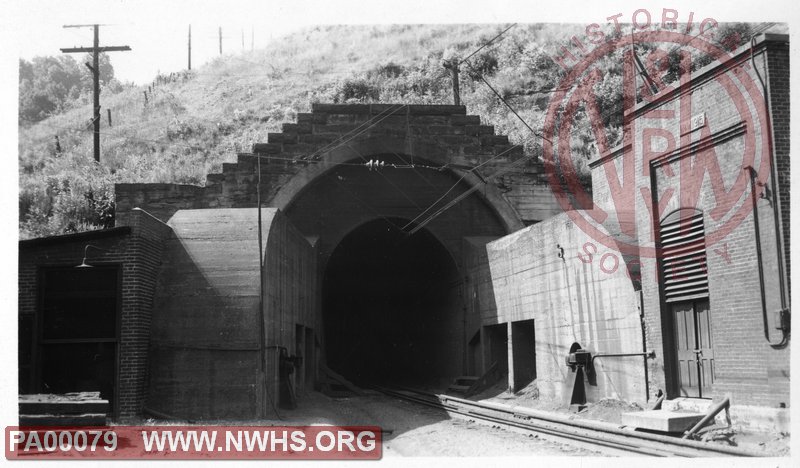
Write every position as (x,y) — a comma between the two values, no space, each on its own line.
(391,306)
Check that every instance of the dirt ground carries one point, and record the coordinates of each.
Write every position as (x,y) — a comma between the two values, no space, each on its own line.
(773,443)
(409,430)
(413,430)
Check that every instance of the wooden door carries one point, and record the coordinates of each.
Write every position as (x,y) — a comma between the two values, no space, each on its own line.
(695,354)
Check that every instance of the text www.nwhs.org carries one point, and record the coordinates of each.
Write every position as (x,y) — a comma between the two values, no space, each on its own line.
(261,441)
(193,442)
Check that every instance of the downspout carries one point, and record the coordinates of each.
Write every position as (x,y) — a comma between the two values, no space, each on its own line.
(759,256)
(785,312)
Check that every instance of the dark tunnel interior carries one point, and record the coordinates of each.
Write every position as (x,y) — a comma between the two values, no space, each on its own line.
(391,307)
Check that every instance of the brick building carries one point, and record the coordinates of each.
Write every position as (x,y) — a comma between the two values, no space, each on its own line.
(712,279)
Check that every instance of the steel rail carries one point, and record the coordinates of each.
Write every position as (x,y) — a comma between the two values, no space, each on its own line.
(625,447)
(584,432)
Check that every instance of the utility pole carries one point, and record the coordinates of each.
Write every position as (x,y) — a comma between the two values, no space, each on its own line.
(452,65)
(220,40)
(190,47)
(242,38)
(252,37)
(95,68)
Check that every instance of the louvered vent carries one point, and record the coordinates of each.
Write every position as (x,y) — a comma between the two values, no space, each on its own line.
(683,245)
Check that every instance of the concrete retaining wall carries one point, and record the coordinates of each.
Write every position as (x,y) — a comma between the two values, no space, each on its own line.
(206,334)
(575,297)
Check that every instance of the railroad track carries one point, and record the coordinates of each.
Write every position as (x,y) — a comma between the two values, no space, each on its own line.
(607,438)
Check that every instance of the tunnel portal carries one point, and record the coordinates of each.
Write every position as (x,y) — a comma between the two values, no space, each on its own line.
(390,302)
(391,306)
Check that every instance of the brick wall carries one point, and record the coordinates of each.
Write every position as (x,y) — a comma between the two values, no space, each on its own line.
(140,271)
(136,248)
(747,368)
(778,69)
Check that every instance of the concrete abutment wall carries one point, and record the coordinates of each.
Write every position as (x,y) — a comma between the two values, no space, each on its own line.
(206,334)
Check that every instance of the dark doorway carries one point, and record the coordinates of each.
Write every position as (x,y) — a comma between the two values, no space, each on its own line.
(309,359)
(695,353)
(474,360)
(391,305)
(79,331)
(300,350)
(523,347)
(497,337)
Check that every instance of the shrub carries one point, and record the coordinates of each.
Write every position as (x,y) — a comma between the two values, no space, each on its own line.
(356,89)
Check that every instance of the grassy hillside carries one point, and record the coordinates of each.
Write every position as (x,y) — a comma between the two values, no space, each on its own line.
(196,121)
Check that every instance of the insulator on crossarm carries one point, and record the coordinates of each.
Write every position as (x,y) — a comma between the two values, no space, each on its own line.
(374,164)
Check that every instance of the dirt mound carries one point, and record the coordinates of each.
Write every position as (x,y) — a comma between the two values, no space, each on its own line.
(609,409)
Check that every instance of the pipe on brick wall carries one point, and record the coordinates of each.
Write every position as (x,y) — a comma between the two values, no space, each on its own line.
(760,261)
(785,313)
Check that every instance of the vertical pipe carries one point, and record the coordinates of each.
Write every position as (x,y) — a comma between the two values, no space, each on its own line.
(261,318)
(759,255)
(190,47)
(220,40)
(776,203)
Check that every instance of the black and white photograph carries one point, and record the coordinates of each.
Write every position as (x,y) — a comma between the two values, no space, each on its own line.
(413,232)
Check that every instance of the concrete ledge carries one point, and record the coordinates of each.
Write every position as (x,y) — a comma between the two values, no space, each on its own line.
(660,420)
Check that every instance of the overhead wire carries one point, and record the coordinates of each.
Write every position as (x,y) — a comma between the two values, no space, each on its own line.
(352,134)
(402,192)
(475,187)
(487,44)
(463,176)
(465,194)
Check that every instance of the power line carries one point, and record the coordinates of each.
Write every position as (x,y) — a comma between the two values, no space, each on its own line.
(402,192)
(465,194)
(486,44)
(330,146)
(338,179)
(473,169)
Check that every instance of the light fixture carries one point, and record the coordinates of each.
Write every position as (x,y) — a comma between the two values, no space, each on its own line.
(85,254)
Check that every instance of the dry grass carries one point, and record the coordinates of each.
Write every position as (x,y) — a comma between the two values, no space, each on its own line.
(191,126)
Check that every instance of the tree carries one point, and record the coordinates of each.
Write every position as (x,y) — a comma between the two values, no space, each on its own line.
(48,84)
